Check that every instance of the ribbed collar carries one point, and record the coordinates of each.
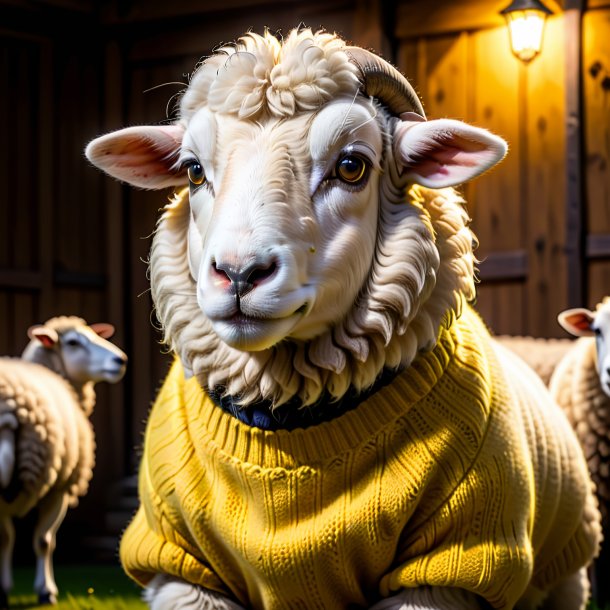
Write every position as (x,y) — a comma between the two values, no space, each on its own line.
(212,427)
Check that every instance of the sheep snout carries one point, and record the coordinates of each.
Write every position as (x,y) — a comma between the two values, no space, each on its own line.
(242,279)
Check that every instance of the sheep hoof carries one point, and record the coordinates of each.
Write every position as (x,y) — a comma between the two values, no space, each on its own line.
(47,599)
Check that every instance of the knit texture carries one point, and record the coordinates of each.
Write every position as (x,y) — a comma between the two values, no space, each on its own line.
(449,476)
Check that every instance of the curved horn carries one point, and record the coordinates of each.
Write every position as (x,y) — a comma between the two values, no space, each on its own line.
(384,81)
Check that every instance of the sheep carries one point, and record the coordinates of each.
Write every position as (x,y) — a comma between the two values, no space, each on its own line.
(540,353)
(47,446)
(337,428)
(581,386)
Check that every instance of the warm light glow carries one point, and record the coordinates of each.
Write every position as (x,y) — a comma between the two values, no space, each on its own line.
(525,20)
(526,29)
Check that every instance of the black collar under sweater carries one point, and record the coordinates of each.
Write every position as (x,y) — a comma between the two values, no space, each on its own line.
(291,415)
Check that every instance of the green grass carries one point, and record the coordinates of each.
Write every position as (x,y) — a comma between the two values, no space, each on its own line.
(91,587)
(85,587)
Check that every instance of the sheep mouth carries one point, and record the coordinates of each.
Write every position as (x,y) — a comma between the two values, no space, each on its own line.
(255,333)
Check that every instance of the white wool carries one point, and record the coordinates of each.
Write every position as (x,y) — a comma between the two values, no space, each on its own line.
(540,353)
(421,247)
(422,271)
(55,443)
(575,385)
(258,74)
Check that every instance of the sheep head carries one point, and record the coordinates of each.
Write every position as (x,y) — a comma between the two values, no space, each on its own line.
(310,246)
(582,322)
(77,351)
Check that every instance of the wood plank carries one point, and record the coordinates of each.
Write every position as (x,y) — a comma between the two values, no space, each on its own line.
(23,317)
(22,136)
(142,209)
(448,79)
(544,162)
(598,245)
(113,205)
(502,266)
(17,278)
(574,159)
(427,18)
(45,221)
(160,43)
(431,18)
(146,11)
(495,200)
(598,283)
(596,85)
(368,27)
(6,186)
(502,306)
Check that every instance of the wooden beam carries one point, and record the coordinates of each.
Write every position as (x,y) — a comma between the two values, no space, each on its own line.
(78,279)
(28,280)
(598,246)
(574,146)
(591,4)
(501,266)
(424,18)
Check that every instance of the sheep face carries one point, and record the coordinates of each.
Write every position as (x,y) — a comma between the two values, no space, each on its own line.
(303,258)
(582,322)
(77,351)
(282,228)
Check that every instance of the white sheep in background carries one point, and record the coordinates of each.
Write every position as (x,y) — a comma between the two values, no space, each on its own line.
(338,428)
(581,386)
(540,353)
(47,444)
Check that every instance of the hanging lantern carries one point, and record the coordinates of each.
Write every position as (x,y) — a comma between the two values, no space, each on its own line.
(525,19)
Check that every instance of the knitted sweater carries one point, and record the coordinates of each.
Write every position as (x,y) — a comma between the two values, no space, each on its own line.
(459,473)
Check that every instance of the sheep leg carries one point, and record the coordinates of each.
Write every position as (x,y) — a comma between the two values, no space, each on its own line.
(52,510)
(7,542)
(169,593)
(430,598)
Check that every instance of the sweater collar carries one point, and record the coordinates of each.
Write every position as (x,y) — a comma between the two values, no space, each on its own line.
(456,373)
(292,415)
(415,382)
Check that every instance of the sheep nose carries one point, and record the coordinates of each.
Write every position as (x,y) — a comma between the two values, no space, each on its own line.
(243,279)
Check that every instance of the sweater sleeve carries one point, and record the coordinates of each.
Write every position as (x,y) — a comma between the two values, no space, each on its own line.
(157,540)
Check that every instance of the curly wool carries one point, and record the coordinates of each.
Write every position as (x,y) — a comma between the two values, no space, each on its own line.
(422,272)
(260,74)
(575,385)
(541,354)
(55,444)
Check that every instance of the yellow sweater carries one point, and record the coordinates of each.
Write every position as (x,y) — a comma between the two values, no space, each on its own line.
(449,476)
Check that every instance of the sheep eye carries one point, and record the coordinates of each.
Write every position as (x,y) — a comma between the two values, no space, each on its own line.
(195,173)
(351,169)
(72,343)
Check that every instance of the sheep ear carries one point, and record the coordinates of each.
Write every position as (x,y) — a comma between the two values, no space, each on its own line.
(577,321)
(103,329)
(47,336)
(444,152)
(141,156)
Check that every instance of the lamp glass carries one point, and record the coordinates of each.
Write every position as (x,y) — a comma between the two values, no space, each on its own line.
(526,28)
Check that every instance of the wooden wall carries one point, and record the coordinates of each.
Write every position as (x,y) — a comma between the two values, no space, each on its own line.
(74,241)
(462,65)
(596,92)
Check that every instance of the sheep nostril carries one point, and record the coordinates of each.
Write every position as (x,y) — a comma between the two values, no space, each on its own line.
(259,274)
(120,360)
(243,279)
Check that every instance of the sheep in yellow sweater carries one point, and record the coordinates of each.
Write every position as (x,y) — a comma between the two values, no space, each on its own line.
(338,429)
